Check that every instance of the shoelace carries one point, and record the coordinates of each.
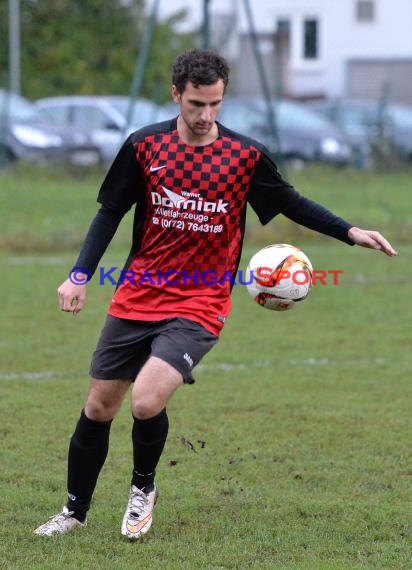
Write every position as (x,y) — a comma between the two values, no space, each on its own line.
(58,519)
(137,503)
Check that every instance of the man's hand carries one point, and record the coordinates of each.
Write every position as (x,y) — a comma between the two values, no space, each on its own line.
(372,240)
(71,297)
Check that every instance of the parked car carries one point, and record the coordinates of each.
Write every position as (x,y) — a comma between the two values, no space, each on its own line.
(300,136)
(369,124)
(108,119)
(25,135)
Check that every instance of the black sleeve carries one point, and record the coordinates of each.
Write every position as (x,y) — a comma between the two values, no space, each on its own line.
(315,217)
(121,188)
(100,234)
(123,185)
(270,195)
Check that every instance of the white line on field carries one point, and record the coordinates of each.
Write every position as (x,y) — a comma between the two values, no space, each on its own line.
(28,375)
(36,260)
(226,366)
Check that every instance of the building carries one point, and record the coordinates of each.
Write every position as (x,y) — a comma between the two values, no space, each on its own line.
(314,48)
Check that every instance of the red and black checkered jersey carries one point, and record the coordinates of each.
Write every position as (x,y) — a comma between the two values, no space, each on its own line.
(190,220)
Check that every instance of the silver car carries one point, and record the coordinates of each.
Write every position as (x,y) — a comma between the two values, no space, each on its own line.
(371,124)
(24,135)
(108,119)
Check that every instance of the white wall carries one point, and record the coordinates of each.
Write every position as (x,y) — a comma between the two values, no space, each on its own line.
(341,36)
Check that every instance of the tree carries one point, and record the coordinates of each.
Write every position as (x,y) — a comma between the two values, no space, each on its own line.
(89,47)
(165,46)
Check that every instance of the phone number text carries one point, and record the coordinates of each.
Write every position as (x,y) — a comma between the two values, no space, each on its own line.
(191,226)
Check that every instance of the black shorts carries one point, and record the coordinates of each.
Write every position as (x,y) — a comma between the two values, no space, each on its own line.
(125,345)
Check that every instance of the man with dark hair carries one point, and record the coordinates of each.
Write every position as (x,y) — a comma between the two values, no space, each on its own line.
(190,179)
(199,68)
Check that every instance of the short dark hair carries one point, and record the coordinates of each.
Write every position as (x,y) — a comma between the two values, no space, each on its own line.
(200,67)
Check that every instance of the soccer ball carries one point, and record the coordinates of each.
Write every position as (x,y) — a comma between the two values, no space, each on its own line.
(279,277)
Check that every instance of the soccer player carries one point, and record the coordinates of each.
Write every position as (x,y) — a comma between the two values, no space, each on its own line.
(190,179)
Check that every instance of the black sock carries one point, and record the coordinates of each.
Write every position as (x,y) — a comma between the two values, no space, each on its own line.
(149,438)
(87,453)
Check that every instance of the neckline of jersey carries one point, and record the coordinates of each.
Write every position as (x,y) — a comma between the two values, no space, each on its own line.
(202,146)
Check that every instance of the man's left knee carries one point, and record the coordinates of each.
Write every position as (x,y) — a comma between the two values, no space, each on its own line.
(144,408)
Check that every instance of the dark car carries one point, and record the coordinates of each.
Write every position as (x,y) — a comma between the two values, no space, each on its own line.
(26,136)
(371,124)
(299,137)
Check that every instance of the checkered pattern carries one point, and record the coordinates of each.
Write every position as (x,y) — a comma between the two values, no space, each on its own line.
(210,181)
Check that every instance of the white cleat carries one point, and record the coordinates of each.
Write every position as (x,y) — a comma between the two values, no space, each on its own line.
(61,523)
(138,517)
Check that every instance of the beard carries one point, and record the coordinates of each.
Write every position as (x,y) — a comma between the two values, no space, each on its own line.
(199,127)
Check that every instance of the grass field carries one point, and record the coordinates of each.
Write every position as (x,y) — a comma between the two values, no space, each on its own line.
(292,450)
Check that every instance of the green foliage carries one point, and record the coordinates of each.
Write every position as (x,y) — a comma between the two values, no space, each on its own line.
(4,40)
(89,47)
(164,49)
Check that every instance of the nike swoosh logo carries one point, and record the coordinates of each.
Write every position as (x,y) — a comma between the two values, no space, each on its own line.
(138,526)
(156,168)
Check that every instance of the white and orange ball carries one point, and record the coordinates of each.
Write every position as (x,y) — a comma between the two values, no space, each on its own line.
(279,277)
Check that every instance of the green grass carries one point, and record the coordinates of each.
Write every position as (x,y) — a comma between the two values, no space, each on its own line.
(50,210)
(373,200)
(292,450)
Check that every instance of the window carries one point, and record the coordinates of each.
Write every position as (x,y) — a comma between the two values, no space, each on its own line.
(365,10)
(57,114)
(310,39)
(88,117)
